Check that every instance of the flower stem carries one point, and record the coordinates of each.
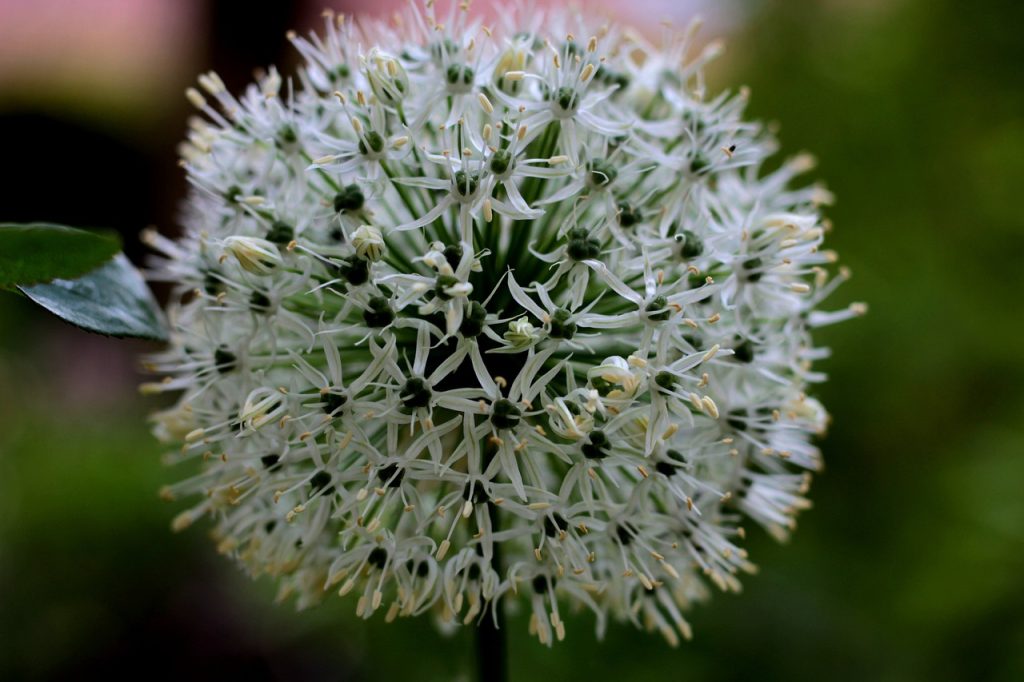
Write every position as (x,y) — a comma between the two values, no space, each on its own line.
(492,648)
(491,641)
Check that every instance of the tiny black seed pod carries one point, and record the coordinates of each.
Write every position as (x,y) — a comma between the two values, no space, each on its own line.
(473,321)
(597,446)
(625,532)
(554,524)
(690,245)
(453,254)
(350,198)
(629,216)
(505,414)
(744,351)
(280,232)
(582,246)
(666,468)
(750,267)
(416,393)
(378,558)
(658,309)
(561,315)
(601,173)
(501,161)
(465,184)
(602,385)
(258,302)
(666,380)
(562,327)
(320,481)
(354,270)
(696,281)
(443,282)
(475,493)
(374,142)
(334,402)
(391,475)
(541,583)
(567,330)
(224,359)
(380,313)
(566,98)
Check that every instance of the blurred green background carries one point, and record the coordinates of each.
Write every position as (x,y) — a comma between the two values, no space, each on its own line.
(910,566)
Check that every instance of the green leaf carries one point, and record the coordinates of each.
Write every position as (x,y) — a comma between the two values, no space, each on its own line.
(39,252)
(112,300)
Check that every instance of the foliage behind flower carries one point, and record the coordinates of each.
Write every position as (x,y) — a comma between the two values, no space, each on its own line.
(469,313)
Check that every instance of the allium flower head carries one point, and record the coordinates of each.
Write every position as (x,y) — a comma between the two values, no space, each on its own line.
(468,313)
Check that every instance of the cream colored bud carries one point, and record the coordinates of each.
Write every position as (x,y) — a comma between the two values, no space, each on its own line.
(387,77)
(521,333)
(262,405)
(368,242)
(255,255)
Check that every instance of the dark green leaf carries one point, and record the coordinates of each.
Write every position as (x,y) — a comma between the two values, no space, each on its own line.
(39,252)
(112,300)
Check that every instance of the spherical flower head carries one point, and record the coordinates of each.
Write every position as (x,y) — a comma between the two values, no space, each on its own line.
(455,292)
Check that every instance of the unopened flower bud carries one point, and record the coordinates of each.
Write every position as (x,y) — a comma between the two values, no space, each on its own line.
(388,79)
(255,255)
(368,242)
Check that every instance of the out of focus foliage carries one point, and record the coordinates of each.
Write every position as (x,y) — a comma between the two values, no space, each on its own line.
(909,567)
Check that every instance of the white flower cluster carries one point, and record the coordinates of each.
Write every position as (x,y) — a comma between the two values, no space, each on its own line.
(470,314)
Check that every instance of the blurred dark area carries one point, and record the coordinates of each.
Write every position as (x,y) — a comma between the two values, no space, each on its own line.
(909,566)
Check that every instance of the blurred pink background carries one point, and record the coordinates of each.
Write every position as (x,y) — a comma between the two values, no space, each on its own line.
(130,45)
